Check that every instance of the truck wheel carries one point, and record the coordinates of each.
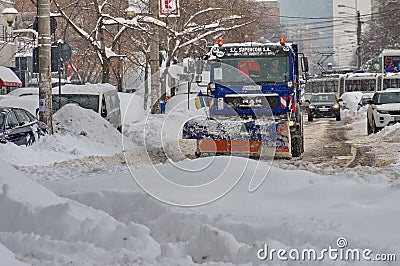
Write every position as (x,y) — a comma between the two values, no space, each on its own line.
(338,118)
(296,146)
(310,118)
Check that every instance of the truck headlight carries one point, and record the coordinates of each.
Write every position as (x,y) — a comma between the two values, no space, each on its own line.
(311,106)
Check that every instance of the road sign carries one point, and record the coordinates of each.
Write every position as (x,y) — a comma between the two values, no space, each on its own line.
(169,8)
(65,50)
(54,59)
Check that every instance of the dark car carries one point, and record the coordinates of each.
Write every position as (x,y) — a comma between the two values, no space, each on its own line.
(20,126)
(324,105)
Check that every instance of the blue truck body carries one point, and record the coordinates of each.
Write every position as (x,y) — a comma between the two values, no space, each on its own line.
(257,84)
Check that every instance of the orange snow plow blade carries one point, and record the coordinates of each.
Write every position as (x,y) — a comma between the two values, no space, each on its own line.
(227,147)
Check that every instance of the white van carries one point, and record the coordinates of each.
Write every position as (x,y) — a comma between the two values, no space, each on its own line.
(101,98)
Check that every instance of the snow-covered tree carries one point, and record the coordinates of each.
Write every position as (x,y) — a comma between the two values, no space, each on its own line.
(383,32)
(104,24)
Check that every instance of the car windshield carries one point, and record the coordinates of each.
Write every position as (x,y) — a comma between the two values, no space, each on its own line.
(388,97)
(86,101)
(325,98)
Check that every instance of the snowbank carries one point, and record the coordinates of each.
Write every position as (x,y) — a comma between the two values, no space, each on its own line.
(35,213)
(78,133)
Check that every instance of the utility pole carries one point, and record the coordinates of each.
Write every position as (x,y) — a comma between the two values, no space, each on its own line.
(44,42)
(155,61)
(359,59)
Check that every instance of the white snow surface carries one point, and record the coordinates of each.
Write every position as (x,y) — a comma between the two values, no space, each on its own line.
(68,200)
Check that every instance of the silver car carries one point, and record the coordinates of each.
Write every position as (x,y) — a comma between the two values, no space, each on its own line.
(383,110)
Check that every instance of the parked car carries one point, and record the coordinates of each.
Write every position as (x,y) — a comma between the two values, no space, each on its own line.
(19,126)
(383,110)
(324,105)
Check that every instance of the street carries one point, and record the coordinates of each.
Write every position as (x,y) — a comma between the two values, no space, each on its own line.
(335,146)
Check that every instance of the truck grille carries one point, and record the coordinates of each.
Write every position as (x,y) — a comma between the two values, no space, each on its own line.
(252,101)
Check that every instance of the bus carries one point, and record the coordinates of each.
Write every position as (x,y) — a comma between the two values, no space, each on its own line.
(389,80)
(363,82)
(341,83)
(329,83)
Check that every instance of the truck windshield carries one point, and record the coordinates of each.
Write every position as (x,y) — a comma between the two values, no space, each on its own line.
(273,69)
(86,101)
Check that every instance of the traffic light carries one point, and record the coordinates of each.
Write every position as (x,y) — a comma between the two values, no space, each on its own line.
(54,59)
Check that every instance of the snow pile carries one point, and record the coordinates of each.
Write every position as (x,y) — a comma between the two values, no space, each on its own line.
(350,101)
(77,122)
(78,133)
(292,209)
(389,134)
(8,258)
(35,213)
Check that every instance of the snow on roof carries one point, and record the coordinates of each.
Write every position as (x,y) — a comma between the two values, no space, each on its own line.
(24,91)
(366,74)
(8,78)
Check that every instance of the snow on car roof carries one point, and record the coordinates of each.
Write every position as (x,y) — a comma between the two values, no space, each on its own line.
(84,89)
(69,88)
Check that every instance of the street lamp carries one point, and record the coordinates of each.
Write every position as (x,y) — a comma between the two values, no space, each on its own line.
(10,14)
(358,30)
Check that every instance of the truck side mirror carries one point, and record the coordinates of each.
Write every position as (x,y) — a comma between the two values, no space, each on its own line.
(304,64)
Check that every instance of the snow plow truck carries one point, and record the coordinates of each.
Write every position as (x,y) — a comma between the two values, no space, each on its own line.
(252,101)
